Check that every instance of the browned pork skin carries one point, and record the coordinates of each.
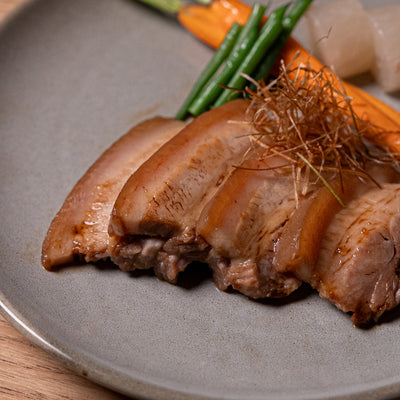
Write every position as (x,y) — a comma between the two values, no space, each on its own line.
(298,246)
(241,223)
(153,221)
(358,268)
(80,228)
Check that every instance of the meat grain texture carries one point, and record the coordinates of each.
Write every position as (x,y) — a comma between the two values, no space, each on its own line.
(241,223)
(358,267)
(205,192)
(153,222)
(80,228)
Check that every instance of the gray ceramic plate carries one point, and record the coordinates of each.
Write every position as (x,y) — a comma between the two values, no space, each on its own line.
(74,76)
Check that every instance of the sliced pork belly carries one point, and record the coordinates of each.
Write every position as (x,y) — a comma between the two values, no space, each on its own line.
(242,222)
(298,246)
(359,262)
(80,228)
(296,249)
(153,221)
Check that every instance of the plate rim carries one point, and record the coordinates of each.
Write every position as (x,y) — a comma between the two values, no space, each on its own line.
(146,390)
(105,377)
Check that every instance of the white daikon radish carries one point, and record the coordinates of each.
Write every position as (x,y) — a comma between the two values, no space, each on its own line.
(341,37)
(386,33)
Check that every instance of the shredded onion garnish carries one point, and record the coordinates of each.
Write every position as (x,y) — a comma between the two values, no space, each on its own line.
(311,123)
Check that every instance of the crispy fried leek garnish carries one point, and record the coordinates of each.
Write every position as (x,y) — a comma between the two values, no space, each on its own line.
(309,122)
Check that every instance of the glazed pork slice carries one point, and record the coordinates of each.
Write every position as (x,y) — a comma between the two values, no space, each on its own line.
(154,217)
(358,268)
(241,224)
(297,249)
(297,246)
(80,228)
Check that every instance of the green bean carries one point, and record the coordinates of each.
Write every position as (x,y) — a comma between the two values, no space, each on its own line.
(268,35)
(218,58)
(294,14)
(245,40)
(289,22)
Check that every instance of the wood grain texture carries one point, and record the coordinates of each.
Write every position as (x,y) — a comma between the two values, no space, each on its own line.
(28,373)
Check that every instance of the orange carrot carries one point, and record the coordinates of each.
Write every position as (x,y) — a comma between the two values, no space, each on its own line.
(365,105)
(210,24)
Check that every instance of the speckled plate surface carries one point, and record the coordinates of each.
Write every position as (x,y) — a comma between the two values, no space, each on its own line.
(74,76)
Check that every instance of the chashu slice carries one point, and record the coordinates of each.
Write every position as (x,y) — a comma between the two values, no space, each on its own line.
(358,268)
(297,249)
(242,222)
(154,217)
(80,228)
(297,246)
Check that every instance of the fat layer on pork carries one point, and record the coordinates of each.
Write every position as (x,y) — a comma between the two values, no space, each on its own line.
(242,222)
(306,245)
(358,266)
(154,217)
(80,228)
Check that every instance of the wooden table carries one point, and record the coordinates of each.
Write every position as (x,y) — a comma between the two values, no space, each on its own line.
(28,373)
